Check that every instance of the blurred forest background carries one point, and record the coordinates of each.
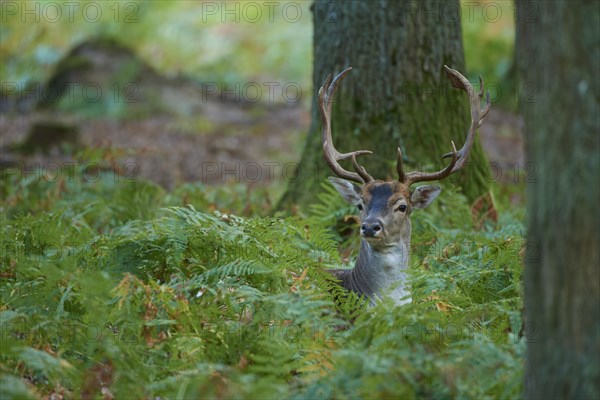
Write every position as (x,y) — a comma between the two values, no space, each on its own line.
(180,92)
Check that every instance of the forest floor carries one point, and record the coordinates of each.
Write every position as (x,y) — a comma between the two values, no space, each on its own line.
(243,144)
(165,150)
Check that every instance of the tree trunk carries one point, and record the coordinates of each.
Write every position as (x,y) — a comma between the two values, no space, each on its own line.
(397,93)
(558,54)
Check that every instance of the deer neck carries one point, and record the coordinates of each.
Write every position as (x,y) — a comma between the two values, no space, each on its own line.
(381,271)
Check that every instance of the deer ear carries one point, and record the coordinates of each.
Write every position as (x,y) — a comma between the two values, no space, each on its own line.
(349,191)
(424,195)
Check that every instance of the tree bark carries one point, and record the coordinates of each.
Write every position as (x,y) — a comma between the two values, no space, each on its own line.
(397,93)
(558,55)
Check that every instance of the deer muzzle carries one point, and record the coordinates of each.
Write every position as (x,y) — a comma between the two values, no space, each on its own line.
(371,228)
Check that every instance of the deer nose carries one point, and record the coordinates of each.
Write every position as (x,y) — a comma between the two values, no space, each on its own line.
(371,227)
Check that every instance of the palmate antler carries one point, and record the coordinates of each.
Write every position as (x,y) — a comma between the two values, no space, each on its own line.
(458,158)
(332,156)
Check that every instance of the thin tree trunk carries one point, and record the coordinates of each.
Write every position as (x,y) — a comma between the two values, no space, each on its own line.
(558,54)
(397,93)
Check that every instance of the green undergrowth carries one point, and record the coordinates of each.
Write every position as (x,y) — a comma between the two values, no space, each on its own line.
(114,289)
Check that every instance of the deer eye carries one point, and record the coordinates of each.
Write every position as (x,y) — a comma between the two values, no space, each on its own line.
(401,208)
(359,206)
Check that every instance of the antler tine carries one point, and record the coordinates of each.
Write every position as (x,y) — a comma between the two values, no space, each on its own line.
(361,170)
(486,107)
(331,155)
(414,177)
(399,167)
(459,158)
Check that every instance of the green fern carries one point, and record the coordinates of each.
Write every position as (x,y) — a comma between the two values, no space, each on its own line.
(173,302)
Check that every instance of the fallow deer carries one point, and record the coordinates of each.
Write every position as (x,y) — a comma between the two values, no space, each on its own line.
(385,206)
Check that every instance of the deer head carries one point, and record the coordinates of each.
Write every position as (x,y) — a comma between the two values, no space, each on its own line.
(385,206)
